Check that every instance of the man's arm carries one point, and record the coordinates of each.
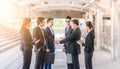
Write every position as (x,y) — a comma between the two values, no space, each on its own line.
(71,36)
(35,34)
(47,45)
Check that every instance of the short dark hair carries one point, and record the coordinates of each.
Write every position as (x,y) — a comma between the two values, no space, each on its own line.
(39,19)
(89,24)
(75,21)
(48,19)
(68,17)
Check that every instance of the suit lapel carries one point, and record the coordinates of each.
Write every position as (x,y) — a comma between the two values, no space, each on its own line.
(69,31)
(50,32)
(66,31)
(40,32)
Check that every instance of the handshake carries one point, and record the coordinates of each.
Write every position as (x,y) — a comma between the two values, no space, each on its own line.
(80,42)
(57,42)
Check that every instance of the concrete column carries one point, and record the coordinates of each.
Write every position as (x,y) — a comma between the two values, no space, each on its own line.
(118,49)
(89,16)
(99,28)
(114,31)
(86,16)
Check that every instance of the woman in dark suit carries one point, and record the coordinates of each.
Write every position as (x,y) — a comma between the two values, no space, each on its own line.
(26,43)
(89,45)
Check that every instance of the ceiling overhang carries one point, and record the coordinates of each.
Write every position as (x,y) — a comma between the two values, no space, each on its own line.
(50,5)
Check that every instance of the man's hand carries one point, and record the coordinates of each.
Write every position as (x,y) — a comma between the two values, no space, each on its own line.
(64,50)
(48,50)
(62,37)
(56,42)
(80,42)
(37,41)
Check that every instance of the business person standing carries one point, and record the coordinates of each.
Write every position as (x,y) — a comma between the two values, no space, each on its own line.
(68,31)
(26,43)
(50,46)
(73,49)
(39,33)
(89,45)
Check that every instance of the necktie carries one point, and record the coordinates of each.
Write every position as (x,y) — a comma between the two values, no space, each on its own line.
(67,29)
(43,34)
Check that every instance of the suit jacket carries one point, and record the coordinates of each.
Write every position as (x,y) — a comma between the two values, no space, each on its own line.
(26,39)
(50,44)
(67,33)
(89,42)
(37,33)
(73,47)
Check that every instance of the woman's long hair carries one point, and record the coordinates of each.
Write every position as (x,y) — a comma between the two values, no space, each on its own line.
(26,21)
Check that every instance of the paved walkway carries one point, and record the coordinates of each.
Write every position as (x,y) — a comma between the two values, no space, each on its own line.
(12,59)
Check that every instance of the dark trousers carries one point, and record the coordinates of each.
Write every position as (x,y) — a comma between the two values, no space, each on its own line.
(70,66)
(26,58)
(39,59)
(75,63)
(75,59)
(88,60)
(47,66)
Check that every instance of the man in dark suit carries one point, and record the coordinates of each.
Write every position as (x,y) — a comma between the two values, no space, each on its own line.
(73,49)
(68,31)
(39,33)
(50,47)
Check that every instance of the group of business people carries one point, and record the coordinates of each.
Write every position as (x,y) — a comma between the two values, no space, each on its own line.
(44,42)
(43,39)
(73,43)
